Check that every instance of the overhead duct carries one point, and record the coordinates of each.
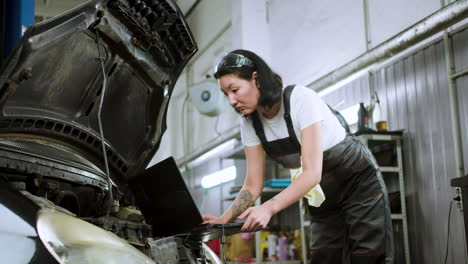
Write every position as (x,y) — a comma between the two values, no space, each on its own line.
(432,24)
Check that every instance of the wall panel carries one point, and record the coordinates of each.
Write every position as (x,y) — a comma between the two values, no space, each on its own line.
(308,38)
(414,94)
(382,14)
(415,90)
(349,94)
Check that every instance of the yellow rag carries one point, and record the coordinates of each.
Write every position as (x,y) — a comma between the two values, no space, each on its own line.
(315,196)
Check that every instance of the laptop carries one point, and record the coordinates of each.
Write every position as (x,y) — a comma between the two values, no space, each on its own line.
(167,205)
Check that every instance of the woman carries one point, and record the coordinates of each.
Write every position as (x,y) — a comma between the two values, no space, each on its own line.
(296,128)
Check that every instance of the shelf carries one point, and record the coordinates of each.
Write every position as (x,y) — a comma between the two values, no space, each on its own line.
(382,137)
(389,169)
(395,180)
(397,216)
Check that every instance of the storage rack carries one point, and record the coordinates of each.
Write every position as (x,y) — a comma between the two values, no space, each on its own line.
(268,191)
(387,172)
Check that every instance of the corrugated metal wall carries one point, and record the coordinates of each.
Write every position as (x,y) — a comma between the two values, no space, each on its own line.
(414,92)
(349,94)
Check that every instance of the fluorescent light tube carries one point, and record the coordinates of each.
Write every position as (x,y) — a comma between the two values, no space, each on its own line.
(221,176)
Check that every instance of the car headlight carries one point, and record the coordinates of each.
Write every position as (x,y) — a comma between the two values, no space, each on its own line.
(72,240)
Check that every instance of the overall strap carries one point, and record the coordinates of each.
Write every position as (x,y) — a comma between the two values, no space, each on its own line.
(258,127)
(287,116)
(341,119)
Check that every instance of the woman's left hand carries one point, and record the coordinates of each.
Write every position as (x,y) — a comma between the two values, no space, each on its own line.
(258,218)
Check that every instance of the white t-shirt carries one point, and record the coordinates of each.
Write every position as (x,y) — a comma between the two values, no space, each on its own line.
(306,108)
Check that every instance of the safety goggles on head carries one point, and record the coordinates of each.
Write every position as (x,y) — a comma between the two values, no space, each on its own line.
(234,60)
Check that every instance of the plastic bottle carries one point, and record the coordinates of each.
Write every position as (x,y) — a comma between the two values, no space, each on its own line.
(377,113)
(378,117)
(282,248)
(292,252)
(363,118)
(272,247)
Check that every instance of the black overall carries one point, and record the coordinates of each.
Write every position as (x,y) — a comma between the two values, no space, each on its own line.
(353,224)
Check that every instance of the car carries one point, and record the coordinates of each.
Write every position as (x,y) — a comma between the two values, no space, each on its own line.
(83,101)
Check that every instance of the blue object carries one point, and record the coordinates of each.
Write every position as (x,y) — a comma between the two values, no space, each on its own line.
(277,183)
(19,16)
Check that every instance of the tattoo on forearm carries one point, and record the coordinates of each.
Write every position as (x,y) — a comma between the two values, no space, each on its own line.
(242,202)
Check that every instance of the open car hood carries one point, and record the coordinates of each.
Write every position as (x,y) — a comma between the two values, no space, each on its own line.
(50,86)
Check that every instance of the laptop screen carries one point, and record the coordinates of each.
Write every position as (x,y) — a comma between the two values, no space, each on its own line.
(165,200)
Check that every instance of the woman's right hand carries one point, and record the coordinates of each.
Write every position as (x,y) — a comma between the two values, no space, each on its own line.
(210,219)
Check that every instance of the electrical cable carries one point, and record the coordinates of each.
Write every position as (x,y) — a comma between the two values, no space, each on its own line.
(101,101)
(448,232)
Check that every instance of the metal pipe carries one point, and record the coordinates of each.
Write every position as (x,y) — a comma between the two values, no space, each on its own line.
(233,133)
(366,25)
(425,28)
(459,74)
(454,109)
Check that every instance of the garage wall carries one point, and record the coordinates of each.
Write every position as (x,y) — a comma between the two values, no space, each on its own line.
(312,38)
(307,39)
(413,90)
(349,94)
(388,18)
(414,93)
(187,129)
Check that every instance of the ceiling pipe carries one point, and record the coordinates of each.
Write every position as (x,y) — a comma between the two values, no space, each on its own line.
(232,133)
(432,24)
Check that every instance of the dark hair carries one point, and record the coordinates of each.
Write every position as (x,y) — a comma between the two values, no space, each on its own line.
(270,84)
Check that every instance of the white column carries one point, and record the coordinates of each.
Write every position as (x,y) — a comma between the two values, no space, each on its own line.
(250,28)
